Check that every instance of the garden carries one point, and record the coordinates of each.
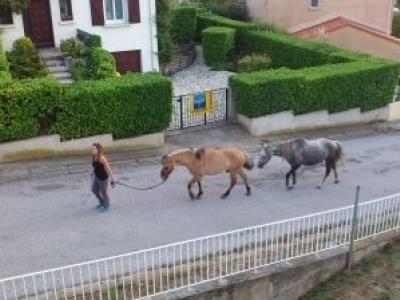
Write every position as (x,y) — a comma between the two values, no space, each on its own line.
(274,72)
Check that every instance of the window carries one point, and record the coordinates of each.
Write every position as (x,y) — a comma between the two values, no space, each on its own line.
(6,17)
(314,3)
(115,11)
(66,10)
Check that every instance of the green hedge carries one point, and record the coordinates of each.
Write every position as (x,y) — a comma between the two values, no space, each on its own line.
(4,69)
(184,23)
(27,107)
(335,88)
(218,46)
(209,20)
(286,50)
(127,106)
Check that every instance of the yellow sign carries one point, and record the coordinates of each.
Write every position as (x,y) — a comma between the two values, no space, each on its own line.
(201,103)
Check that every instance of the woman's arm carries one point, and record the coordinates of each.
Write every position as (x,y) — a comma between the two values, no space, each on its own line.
(107,166)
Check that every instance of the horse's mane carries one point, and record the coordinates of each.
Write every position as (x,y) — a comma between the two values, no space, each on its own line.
(179,151)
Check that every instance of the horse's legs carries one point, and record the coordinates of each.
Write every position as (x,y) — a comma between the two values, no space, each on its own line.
(233,183)
(336,173)
(327,172)
(291,172)
(200,189)
(246,181)
(294,169)
(189,186)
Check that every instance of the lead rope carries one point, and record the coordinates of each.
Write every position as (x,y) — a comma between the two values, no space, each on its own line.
(142,189)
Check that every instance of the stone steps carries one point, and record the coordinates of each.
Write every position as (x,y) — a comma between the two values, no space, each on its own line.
(54,61)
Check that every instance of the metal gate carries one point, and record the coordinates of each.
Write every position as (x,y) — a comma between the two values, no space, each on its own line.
(186,112)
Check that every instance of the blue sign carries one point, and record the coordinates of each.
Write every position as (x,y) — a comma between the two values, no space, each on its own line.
(200,101)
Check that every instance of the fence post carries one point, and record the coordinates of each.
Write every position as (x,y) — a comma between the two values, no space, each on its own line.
(353,234)
(181,111)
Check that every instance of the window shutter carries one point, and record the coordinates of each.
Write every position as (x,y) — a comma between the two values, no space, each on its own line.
(96,7)
(134,11)
(6,16)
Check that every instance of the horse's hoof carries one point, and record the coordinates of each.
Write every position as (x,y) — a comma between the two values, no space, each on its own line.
(199,196)
(248,193)
(224,196)
(191,196)
(337,181)
(319,187)
(290,187)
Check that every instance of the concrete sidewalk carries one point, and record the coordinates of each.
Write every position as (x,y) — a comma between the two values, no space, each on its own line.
(217,135)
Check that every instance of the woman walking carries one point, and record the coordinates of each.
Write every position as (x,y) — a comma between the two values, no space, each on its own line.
(102,172)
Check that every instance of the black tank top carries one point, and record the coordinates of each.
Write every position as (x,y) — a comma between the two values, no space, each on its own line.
(99,170)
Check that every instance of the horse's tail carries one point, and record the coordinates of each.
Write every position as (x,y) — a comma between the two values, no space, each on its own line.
(339,153)
(249,164)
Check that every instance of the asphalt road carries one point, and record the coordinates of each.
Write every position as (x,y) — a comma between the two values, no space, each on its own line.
(52,222)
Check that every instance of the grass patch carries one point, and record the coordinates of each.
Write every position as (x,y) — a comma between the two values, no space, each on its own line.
(376,277)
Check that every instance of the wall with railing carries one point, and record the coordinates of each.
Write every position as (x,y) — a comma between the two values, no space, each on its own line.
(180,265)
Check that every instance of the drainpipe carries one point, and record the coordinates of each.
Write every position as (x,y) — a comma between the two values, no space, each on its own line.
(153,39)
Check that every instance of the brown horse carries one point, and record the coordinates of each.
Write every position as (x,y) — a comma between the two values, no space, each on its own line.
(209,161)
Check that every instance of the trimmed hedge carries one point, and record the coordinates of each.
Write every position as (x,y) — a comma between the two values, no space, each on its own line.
(27,107)
(184,23)
(330,87)
(210,20)
(127,106)
(286,50)
(218,46)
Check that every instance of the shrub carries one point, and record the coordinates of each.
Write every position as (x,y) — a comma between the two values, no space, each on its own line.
(233,9)
(89,40)
(25,60)
(218,46)
(253,63)
(285,50)
(330,87)
(207,20)
(78,70)
(127,106)
(27,107)
(100,64)
(164,31)
(73,47)
(184,23)
(4,69)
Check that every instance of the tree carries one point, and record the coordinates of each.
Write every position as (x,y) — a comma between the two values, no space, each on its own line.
(164,31)
(16,6)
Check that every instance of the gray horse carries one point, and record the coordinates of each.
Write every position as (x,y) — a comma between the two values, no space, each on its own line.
(300,152)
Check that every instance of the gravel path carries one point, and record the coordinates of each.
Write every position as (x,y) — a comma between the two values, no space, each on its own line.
(199,77)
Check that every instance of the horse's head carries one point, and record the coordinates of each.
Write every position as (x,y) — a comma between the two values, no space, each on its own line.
(167,167)
(265,155)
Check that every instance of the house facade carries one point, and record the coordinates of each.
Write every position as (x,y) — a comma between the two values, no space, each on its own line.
(127,27)
(362,25)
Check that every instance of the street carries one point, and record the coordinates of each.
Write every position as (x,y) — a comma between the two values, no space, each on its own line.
(47,223)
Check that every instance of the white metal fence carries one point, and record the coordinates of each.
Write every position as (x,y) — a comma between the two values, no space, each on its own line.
(167,268)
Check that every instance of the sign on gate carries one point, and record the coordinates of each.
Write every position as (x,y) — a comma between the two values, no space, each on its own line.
(199,108)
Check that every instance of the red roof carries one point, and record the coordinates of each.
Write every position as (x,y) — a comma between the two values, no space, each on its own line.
(338,23)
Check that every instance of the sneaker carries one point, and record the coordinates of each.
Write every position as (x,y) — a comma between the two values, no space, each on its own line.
(98,206)
(103,209)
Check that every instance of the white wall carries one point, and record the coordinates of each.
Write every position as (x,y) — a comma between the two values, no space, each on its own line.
(9,33)
(124,37)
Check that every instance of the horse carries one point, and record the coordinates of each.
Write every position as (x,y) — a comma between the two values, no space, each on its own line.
(209,161)
(298,152)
